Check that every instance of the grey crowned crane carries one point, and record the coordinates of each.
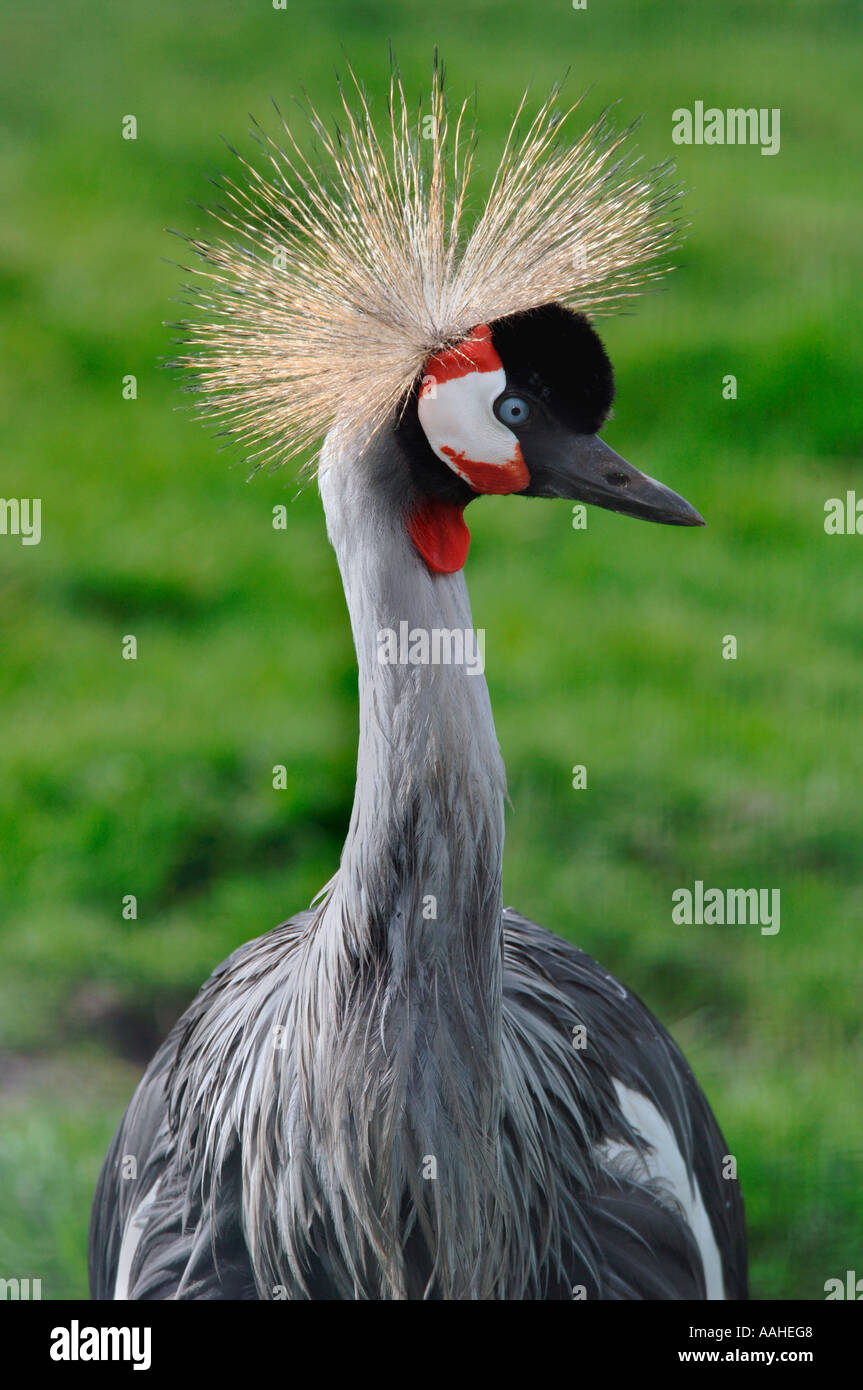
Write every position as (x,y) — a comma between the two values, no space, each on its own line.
(382,1098)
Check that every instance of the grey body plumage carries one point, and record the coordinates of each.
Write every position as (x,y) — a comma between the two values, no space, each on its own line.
(618,1238)
(290,1118)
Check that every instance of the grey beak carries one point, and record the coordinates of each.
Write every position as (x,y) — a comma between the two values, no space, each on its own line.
(589,471)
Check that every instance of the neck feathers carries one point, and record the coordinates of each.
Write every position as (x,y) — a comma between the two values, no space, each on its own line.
(422,860)
(402,1072)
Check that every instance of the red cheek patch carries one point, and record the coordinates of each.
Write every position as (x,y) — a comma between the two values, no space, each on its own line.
(490,477)
(440,534)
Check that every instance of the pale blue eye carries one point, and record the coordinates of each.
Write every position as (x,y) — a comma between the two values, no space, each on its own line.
(512,410)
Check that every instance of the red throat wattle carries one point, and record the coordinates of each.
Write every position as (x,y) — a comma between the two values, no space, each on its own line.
(439,532)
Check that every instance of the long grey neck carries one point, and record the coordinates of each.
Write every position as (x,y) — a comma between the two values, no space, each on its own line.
(408,946)
(421,867)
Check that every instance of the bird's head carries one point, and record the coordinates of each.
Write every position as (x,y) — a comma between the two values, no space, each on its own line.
(516,408)
(354,305)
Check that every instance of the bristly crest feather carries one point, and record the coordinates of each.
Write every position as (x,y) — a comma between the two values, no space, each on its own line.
(346,281)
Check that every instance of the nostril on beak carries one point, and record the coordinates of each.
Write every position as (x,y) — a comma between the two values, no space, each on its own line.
(617,479)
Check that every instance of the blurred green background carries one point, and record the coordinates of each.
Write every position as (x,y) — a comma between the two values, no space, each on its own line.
(604,647)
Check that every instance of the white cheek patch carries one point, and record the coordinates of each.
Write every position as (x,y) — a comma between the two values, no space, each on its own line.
(455,410)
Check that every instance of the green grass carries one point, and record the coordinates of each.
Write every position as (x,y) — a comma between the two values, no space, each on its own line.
(604,647)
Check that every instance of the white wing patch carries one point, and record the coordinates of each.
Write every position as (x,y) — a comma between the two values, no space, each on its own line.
(131,1240)
(665,1163)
